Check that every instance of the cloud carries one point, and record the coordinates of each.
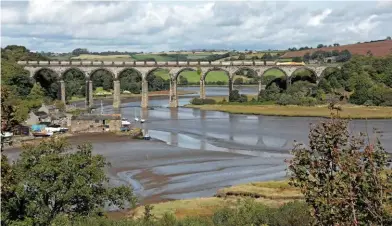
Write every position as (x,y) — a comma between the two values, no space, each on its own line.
(61,26)
(318,19)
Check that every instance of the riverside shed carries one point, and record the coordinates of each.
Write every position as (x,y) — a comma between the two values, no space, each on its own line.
(95,123)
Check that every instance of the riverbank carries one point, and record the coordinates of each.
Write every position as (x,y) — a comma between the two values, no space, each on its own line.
(348,111)
(76,138)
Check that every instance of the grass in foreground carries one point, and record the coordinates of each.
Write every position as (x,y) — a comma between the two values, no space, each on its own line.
(271,193)
(349,111)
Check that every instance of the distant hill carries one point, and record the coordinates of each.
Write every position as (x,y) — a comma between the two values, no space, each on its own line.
(380,48)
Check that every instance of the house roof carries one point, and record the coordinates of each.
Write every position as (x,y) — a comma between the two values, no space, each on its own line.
(41,114)
(58,115)
(97,117)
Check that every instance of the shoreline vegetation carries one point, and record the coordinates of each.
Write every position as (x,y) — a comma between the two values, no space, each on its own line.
(348,111)
(128,95)
(269,193)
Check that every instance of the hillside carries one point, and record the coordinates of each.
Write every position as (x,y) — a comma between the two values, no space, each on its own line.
(379,49)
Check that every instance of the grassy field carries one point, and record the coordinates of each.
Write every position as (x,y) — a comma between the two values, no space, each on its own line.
(349,111)
(142,56)
(162,73)
(157,57)
(272,193)
(274,72)
(103,58)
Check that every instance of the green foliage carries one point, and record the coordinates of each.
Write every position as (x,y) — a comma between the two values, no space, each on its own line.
(156,83)
(271,93)
(247,212)
(297,59)
(14,110)
(238,81)
(183,81)
(37,92)
(378,95)
(199,101)
(75,84)
(102,78)
(131,81)
(50,183)
(342,177)
(235,96)
(59,105)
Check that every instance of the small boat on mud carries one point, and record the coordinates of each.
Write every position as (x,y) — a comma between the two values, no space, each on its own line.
(146,136)
(43,133)
(125,122)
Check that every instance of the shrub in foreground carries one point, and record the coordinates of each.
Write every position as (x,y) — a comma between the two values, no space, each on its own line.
(344,178)
(50,183)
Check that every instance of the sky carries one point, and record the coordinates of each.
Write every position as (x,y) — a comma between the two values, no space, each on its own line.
(152,26)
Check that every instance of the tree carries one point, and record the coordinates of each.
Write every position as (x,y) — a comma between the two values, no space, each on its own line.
(297,59)
(13,109)
(75,83)
(241,56)
(334,83)
(238,81)
(235,96)
(271,93)
(50,182)
(341,176)
(37,92)
(59,105)
(306,57)
(336,44)
(183,81)
(344,56)
(22,83)
(388,38)
(320,46)
(325,85)
(335,53)
(78,51)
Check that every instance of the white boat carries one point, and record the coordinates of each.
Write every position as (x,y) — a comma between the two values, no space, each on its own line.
(142,120)
(125,122)
(136,118)
(7,134)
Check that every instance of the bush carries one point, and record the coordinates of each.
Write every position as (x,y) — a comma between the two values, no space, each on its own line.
(243,98)
(272,92)
(234,96)
(307,101)
(199,101)
(285,99)
(292,213)
(368,103)
(209,101)
(249,212)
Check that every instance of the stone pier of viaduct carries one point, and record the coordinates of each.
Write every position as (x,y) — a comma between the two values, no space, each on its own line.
(88,68)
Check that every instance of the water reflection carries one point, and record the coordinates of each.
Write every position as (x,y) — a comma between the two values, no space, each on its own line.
(203,143)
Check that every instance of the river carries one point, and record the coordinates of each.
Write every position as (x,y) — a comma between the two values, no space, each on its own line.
(193,153)
(201,151)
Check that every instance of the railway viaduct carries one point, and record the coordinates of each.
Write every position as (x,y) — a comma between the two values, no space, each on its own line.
(88,68)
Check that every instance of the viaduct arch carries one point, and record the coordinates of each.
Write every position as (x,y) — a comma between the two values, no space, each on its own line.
(146,67)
